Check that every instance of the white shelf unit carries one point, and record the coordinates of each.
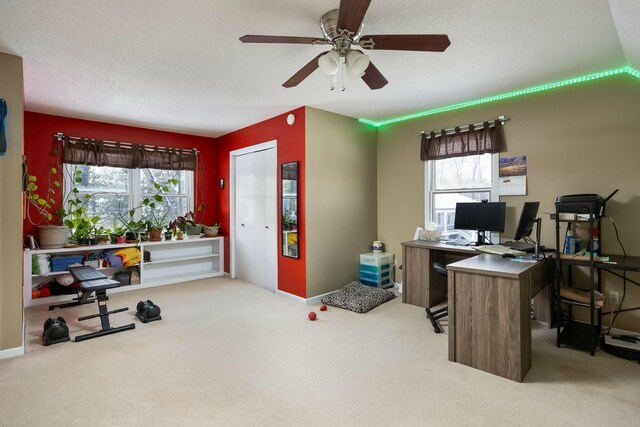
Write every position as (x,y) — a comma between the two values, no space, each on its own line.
(173,261)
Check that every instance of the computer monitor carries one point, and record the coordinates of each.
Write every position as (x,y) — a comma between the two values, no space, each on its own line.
(528,219)
(480,217)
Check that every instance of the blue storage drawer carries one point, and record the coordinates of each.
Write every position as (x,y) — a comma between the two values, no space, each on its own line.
(373,277)
(62,263)
(367,268)
(375,284)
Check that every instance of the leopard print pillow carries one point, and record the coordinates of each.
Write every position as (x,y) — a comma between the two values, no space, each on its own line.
(358,297)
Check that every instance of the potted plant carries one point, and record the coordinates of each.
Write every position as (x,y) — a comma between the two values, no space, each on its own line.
(156,222)
(52,234)
(100,236)
(81,227)
(117,234)
(188,225)
(211,230)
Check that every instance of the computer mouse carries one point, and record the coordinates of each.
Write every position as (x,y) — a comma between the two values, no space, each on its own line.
(508,255)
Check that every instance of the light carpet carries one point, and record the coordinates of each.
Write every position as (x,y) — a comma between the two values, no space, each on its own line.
(229,353)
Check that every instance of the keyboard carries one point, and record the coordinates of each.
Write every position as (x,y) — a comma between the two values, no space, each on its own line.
(457,242)
(499,250)
(521,246)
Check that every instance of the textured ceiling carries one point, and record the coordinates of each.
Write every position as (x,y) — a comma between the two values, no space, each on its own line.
(178,65)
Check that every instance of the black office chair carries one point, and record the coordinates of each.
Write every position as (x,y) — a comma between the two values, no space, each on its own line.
(434,316)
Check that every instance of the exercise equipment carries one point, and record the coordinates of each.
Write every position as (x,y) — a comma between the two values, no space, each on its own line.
(55,331)
(92,280)
(147,311)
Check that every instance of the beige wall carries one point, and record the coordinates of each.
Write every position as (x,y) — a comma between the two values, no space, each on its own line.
(579,139)
(10,206)
(341,205)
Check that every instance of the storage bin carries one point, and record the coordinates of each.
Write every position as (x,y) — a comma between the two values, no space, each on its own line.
(366,268)
(374,277)
(383,259)
(62,262)
(375,269)
(379,284)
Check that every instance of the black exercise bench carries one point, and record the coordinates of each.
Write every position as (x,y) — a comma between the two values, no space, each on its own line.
(92,281)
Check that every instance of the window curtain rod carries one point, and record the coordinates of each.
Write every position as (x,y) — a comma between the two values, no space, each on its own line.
(61,136)
(451,131)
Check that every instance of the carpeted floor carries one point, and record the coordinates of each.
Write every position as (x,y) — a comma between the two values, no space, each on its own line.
(229,353)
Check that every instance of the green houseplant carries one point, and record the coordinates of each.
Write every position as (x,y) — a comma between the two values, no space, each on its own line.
(51,232)
(155,217)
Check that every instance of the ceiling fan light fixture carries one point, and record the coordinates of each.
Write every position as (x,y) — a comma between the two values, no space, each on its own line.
(330,63)
(357,63)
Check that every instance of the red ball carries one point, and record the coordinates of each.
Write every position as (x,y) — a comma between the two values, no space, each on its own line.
(312,315)
(323,307)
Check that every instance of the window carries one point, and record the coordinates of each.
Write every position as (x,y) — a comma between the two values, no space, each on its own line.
(455,180)
(119,189)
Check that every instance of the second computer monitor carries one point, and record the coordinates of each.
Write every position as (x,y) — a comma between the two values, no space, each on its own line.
(527,220)
(480,217)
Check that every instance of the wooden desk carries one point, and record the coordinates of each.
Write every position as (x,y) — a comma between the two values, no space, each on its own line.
(490,313)
(421,285)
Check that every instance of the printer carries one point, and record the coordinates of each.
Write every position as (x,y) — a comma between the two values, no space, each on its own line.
(583,203)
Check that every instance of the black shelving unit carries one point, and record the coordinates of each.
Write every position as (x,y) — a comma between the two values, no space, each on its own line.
(570,332)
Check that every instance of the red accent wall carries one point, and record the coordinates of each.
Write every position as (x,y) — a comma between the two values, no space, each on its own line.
(291,141)
(40,128)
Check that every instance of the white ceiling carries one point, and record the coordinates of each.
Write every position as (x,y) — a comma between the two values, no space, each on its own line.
(178,65)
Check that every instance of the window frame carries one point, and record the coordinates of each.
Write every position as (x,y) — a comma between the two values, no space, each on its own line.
(430,191)
(135,196)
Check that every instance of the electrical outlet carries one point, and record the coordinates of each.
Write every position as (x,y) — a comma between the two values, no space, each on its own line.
(614,298)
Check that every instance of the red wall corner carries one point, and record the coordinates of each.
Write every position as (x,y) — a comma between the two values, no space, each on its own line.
(291,147)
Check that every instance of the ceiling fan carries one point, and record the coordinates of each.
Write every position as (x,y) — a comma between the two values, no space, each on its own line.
(342,28)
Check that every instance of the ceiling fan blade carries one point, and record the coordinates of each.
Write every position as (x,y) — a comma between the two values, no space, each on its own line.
(373,77)
(351,13)
(304,72)
(250,38)
(416,42)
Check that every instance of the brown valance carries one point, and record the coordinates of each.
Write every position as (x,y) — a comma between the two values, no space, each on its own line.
(487,138)
(95,152)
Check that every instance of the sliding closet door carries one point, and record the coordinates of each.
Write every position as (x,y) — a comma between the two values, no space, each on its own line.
(244,212)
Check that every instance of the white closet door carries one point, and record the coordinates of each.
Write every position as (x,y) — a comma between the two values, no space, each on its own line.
(266,226)
(244,213)
(271,219)
(265,208)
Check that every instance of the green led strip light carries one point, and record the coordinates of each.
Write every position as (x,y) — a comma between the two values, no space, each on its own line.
(507,95)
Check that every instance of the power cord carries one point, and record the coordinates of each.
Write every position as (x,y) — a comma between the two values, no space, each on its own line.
(624,279)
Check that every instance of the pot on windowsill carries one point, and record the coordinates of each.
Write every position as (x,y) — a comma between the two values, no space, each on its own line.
(52,236)
(210,231)
(192,230)
(114,238)
(84,241)
(155,234)
(131,237)
(167,235)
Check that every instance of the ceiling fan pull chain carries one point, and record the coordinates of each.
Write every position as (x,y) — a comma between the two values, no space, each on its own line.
(342,59)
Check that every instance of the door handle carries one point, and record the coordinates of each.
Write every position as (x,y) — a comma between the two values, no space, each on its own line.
(266,226)
(242,225)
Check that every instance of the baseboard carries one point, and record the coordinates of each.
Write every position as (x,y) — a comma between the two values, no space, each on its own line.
(11,352)
(305,301)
